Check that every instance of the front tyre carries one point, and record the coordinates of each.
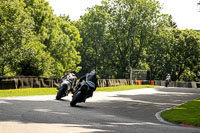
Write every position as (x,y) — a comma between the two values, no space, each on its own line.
(76,98)
(60,94)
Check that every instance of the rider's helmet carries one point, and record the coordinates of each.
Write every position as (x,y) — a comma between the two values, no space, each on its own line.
(69,76)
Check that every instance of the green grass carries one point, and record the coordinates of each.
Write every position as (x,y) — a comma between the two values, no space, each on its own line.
(27,92)
(188,113)
(123,88)
(53,91)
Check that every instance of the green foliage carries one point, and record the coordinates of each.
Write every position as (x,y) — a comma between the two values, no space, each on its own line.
(111,38)
(15,30)
(35,61)
(92,29)
(63,40)
(175,51)
(185,54)
(188,75)
(35,42)
(121,34)
(116,34)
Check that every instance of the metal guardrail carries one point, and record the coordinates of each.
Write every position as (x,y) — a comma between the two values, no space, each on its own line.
(179,84)
(27,82)
(40,82)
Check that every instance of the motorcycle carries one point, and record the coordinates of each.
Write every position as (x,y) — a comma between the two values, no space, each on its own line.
(166,83)
(66,85)
(84,89)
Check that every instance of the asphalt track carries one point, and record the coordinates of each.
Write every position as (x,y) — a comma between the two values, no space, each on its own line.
(134,111)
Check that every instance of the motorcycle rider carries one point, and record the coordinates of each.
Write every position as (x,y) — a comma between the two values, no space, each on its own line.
(167,80)
(69,81)
(91,79)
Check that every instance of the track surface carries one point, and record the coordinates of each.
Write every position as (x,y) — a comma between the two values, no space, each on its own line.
(108,112)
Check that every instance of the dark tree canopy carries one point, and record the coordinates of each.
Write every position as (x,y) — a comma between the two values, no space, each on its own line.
(112,38)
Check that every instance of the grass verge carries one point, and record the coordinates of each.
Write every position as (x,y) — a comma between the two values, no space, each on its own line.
(28,92)
(53,91)
(123,88)
(188,113)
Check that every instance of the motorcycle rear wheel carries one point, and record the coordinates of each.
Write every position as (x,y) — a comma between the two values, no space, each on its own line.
(76,98)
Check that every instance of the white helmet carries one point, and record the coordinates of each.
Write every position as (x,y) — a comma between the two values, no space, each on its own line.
(69,75)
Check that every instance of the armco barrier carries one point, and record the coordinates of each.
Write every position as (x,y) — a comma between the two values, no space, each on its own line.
(178,84)
(114,82)
(40,82)
(27,82)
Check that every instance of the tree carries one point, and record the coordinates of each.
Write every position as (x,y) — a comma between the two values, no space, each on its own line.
(57,34)
(92,27)
(157,54)
(117,33)
(34,41)
(62,43)
(131,26)
(42,16)
(15,29)
(22,52)
(176,52)
(186,53)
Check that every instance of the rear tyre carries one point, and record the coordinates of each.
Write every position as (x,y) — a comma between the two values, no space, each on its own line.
(76,98)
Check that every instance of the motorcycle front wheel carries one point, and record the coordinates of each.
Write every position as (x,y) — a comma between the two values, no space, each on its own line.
(60,94)
(76,98)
